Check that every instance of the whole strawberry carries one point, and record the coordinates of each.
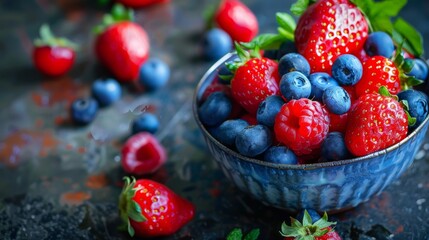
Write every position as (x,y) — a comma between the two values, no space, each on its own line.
(121,45)
(150,209)
(375,122)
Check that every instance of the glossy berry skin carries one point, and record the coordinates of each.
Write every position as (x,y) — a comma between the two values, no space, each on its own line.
(142,154)
(215,109)
(328,29)
(253,81)
(146,122)
(337,100)
(228,130)
(141,3)
(253,140)
(83,111)
(320,81)
(106,92)
(235,18)
(375,122)
(378,71)
(280,155)
(334,147)
(338,123)
(302,125)
(347,70)
(295,85)
(216,43)
(379,44)
(53,61)
(122,48)
(313,214)
(420,69)
(417,105)
(268,109)
(154,74)
(293,62)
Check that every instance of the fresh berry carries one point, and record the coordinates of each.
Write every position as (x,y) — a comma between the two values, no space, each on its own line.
(420,69)
(293,62)
(268,110)
(235,18)
(151,209)
(253,140)
(295,85)
(216,43)
(154,74)
(146,122)
(215,86)
(215,110)
(313,214)
(302,125)
(228,130)
(106,92)
(84,110)
(121,45)
(347,70)
(53,56)
(320,81)
(375,122)
(328,29)
(417,105)
(142,154)
(338,123)
(141,3)
(334,147)
(280,155)
(336,100)
(379,44)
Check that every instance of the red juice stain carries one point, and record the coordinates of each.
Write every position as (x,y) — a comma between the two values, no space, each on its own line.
(96,181)
(74,198)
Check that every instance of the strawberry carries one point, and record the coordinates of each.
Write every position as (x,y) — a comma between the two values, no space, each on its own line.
(376,121)
(121,45)
(141,3)
(53,56)
(151,209)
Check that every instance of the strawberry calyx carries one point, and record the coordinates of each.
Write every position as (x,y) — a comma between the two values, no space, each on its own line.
(47,38)
(307,229)
(128,208)
(404,66)
(383,91)
(119,13)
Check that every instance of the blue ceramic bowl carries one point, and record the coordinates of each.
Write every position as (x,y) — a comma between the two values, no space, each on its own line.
(329,186)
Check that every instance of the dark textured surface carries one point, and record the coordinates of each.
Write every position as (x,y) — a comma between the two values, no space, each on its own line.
(58,181)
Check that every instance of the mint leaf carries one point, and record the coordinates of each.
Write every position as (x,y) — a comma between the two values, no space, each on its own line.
(389,8)
(235,234)
(252,235)
(300,6)
(286,21)
(265,41)
(413,40)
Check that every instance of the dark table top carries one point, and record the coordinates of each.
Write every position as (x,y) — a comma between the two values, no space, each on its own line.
(59,181)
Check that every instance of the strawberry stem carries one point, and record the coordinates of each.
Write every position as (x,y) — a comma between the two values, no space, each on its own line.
(119,13)
(47,38)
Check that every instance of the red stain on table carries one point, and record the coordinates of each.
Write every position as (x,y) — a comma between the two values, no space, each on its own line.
(74,198)
(96,181)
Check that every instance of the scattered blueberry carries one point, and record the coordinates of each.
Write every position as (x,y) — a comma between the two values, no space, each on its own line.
(268,110)
(84,110)
(146,122)
(295,85)
(106,92)
(215,109)
(293,62)
(417,104)
(281,155)
(337,100)
(420,69)
(347,69)
(313,214)
(253,140)
(334,147)
(379,44)
(228,130)
(286,47)
(216,43)
(154,74)
(320,81)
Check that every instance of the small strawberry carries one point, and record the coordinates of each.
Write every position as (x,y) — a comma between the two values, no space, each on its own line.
(121,45)
(151,209)
(141,3)
(53,56)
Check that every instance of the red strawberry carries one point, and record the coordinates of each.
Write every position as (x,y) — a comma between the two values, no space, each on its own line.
(121,45)
(302,125)
(151,209)
(141,3)
(375,122)
(328,29)
(235,18)
(53,56)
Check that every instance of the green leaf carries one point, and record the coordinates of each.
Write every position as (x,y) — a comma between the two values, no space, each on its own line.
(382,24)
(389,8)
(235,234)
(286,35)
(265,41)
(413,39)
(252,235)
(286,21)
(306,220)
(299,7)
(130,229)
(121,13)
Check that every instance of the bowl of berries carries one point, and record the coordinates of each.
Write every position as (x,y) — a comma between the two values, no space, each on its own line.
(324,114)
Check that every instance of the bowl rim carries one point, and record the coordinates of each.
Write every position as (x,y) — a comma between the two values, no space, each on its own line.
(307,166)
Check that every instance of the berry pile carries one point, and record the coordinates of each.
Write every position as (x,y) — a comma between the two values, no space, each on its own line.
(333,86)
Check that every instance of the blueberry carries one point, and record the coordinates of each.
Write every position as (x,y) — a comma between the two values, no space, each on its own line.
(419,70)
(417,103)
(320,81)
(293,62)
(215,109)
(216,43)
(228,130)
(154,74)
(224,74)
(146,122)
(337,100)
(253,140)
(347,69)
(281,155)
(106,92)
(334,147)
(295,85)
(313,214)
(268,110)
(379,44)
(286,47)
(84,110)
